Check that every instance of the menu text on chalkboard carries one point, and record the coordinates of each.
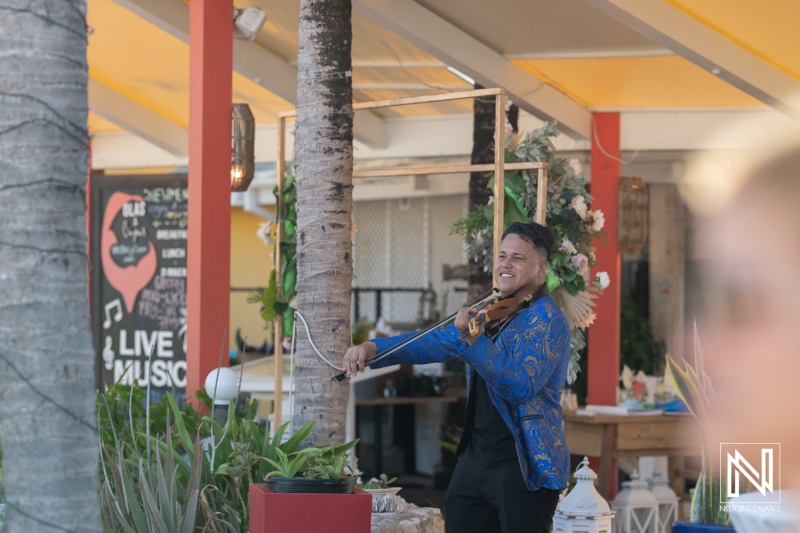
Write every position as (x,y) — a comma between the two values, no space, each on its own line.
(139,226)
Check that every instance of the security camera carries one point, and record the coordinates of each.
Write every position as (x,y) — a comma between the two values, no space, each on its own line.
(247,22)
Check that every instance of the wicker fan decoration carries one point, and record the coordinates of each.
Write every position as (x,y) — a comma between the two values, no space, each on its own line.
(577,308)
(632,217)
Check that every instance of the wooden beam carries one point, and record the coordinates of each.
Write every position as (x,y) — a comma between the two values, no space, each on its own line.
(436,36)
(138,119)
(498,193)
(252,61)
(680,32)
(443,169)
(277,367)
(412,100)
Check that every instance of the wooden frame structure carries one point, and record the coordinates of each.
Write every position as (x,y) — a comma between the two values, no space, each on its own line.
(499,167)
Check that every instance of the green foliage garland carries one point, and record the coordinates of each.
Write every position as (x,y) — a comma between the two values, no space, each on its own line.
(273,306)
(568,215)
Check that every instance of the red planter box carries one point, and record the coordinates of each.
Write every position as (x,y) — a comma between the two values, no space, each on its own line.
(308,513)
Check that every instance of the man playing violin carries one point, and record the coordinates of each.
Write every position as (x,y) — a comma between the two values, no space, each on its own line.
(513,460)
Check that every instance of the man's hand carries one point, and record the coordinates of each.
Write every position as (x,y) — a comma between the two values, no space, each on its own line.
(356,356)
(462,323)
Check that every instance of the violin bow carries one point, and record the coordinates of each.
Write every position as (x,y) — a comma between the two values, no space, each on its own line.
(378,356)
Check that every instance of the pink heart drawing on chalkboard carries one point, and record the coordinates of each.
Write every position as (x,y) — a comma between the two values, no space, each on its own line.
(130,280)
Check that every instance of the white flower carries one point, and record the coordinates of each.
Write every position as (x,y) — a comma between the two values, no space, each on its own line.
(263,233)
(599,220)
(575,165)
(627,377)
(567,245)
(603,280)
(579,205)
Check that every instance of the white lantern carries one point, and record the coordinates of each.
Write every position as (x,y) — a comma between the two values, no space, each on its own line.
(636,507)
(667,501)
(583,510)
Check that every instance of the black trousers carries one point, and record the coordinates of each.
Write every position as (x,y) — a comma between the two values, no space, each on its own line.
(483,499)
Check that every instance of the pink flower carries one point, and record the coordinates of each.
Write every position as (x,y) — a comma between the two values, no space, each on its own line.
(581,263)
(509,129)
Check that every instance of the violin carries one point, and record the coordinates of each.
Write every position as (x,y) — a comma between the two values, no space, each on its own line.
(490,295)
(494,310)
(496,307)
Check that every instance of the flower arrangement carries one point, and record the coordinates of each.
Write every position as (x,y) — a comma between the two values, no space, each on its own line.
(570,217)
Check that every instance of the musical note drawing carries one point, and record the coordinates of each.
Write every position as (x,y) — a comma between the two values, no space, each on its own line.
(117,316)
(108,353)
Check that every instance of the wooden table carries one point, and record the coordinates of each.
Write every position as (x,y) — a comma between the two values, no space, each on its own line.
(675,435)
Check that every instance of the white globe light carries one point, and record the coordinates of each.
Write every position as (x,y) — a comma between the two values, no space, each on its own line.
(227,385)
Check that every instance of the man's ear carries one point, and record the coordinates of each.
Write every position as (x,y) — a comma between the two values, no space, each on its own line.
(543,268)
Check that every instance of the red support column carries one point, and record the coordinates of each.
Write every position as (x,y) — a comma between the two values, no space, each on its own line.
(603,354)
(209,231)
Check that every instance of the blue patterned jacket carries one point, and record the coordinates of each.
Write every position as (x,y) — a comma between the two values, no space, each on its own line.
(525,368)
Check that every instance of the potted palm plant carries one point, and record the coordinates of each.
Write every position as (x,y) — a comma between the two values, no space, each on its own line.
(307,488)
(694,388)
(316,470)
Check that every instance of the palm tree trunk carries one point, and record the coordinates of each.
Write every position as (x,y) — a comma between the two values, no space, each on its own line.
(47,424)
(323,163)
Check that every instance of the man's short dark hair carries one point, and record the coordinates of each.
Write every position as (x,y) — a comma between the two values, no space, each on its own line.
(542,237)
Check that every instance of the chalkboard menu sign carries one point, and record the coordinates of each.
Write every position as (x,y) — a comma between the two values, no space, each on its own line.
(139,279)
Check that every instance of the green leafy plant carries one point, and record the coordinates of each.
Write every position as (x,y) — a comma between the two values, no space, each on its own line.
(271,304)
(289,465)
(330,463)
(382,483)
(694,388)
(121,409)
(157,501)
(228,455)
(568,215)
(638,349)
(233,460)
(326,462)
